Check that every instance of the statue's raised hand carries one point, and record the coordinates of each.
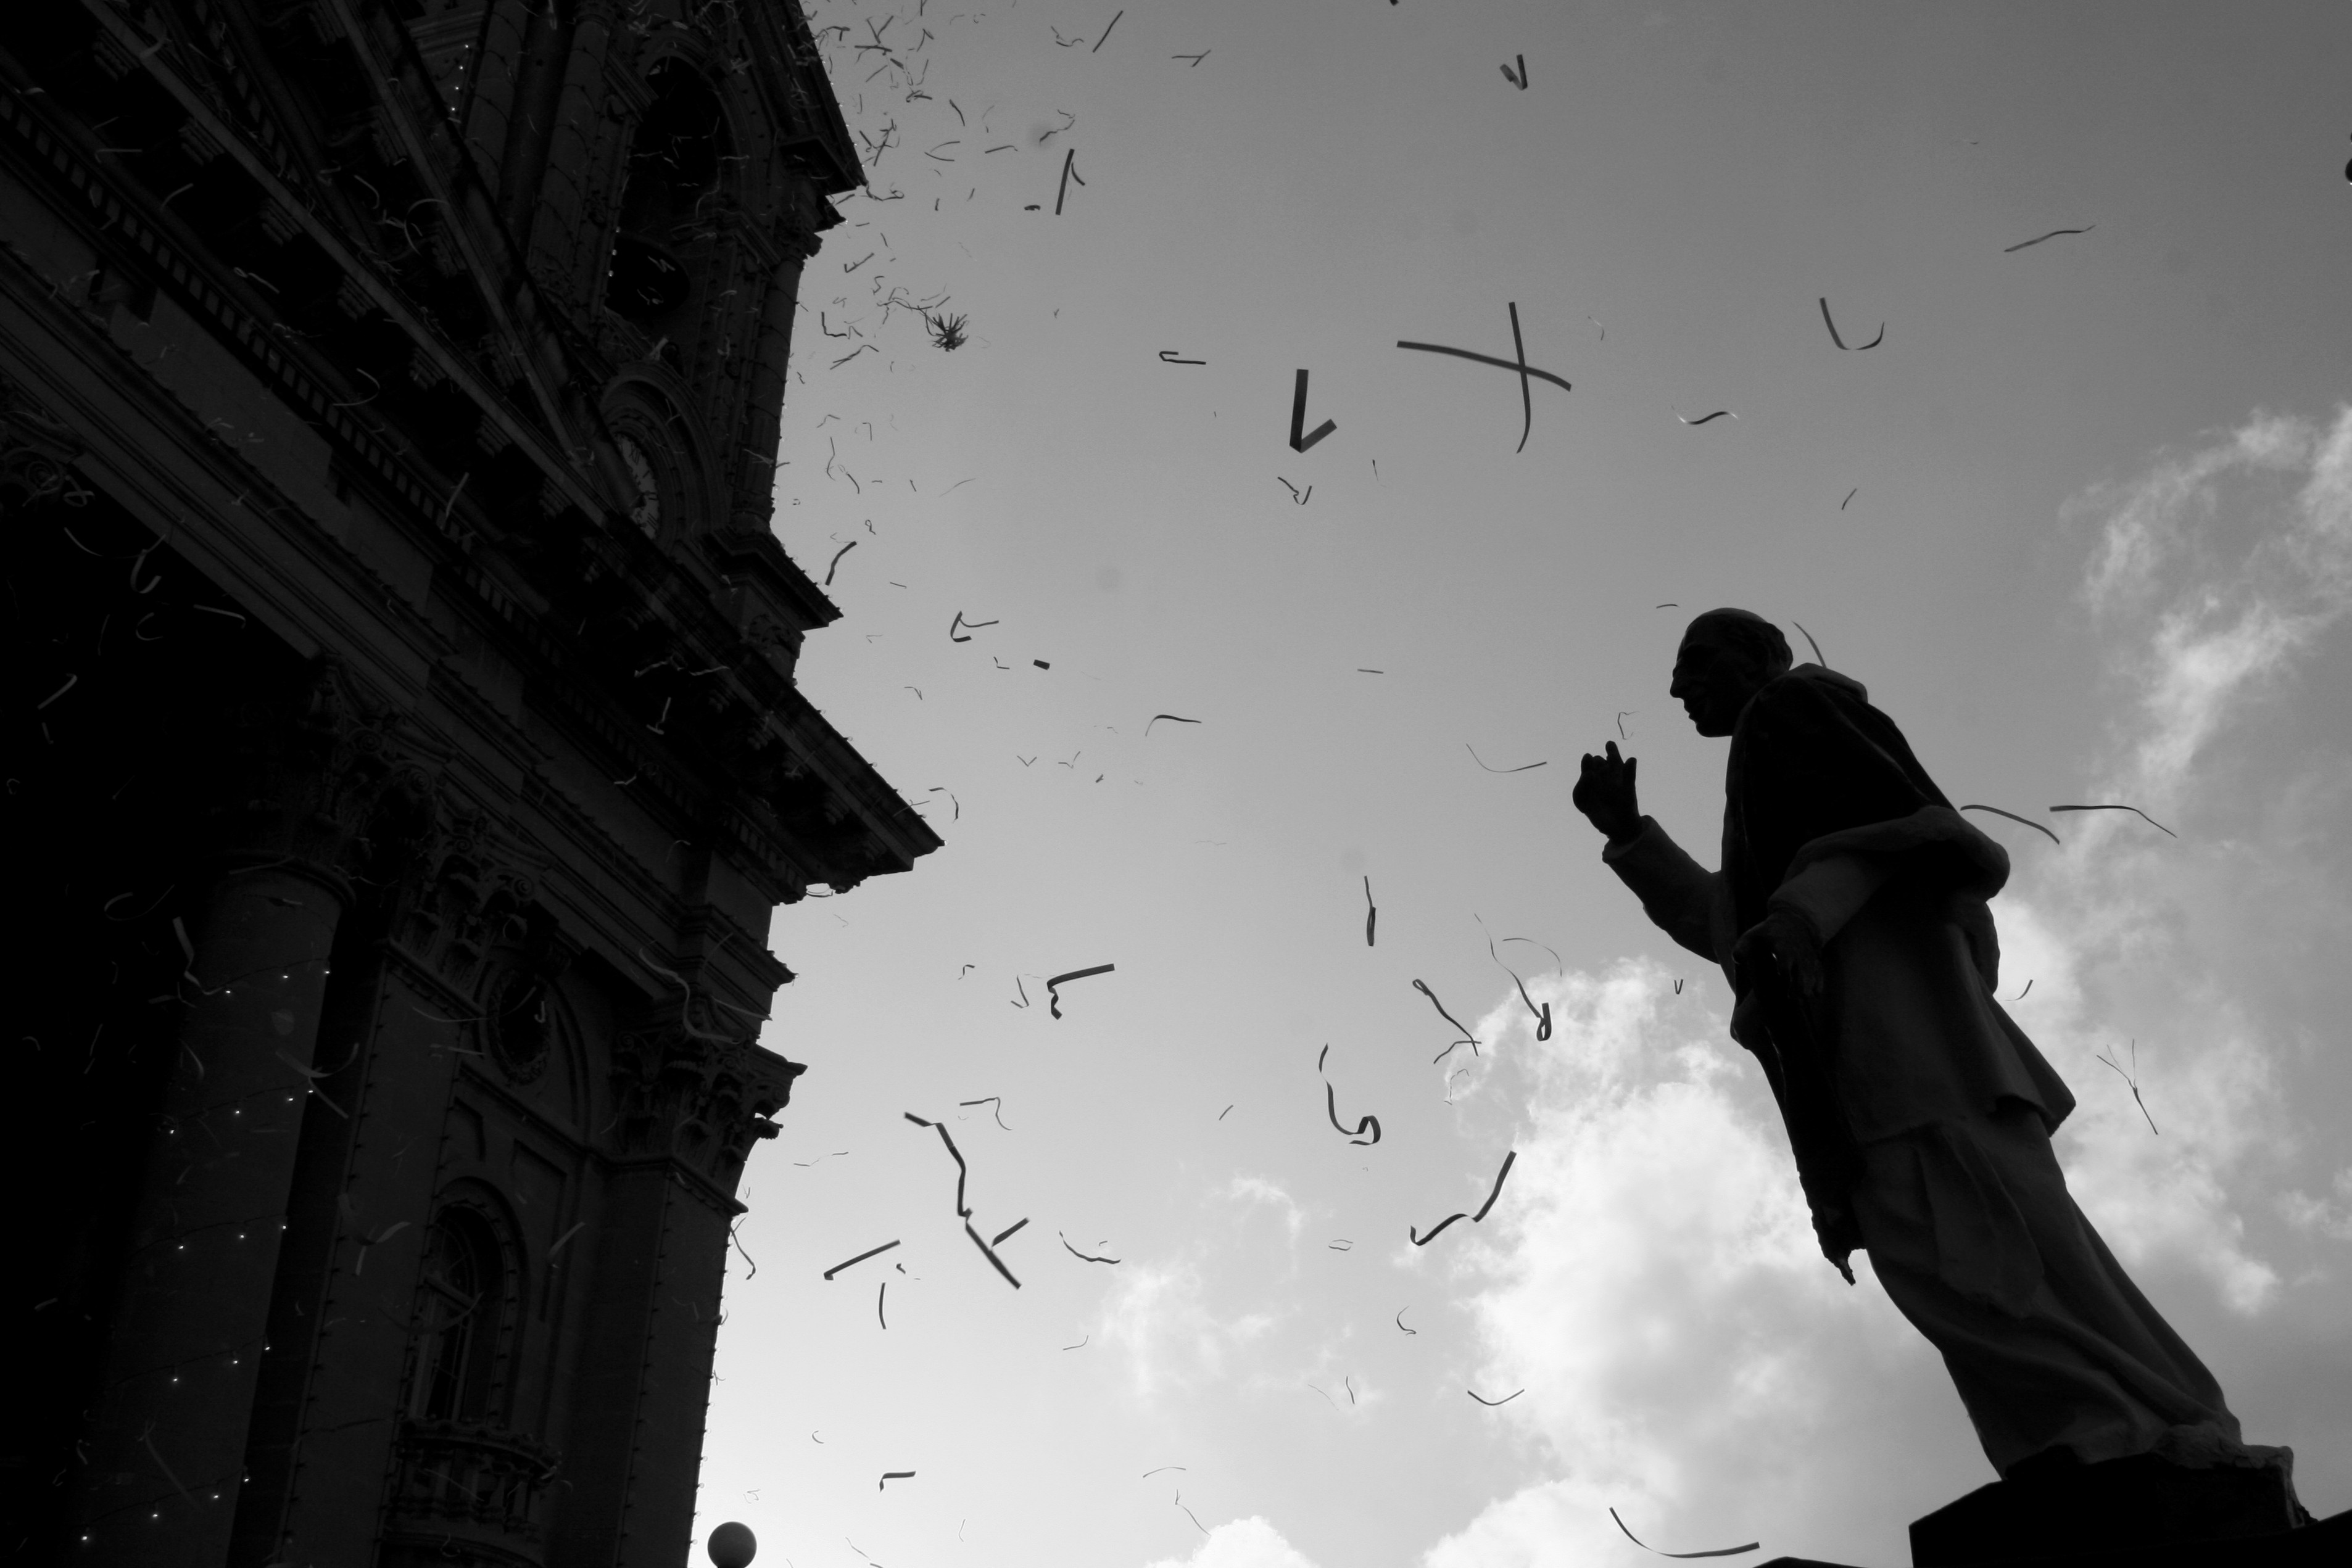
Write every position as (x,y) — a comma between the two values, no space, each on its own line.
(1604,793)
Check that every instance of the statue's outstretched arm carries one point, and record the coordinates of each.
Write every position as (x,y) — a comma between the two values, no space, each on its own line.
(1685,901)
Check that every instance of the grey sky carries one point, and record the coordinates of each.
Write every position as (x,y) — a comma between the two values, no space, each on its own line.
(1688,181)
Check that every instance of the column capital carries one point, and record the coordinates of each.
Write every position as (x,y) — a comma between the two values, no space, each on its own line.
(692,1085)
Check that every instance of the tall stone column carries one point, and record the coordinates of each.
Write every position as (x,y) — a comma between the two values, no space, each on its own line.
(164,1438)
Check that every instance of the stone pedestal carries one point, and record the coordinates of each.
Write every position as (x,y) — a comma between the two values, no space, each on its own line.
(2120,1505)
(2325,1545)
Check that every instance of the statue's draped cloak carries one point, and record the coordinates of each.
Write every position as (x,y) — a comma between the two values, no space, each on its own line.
(1810,757)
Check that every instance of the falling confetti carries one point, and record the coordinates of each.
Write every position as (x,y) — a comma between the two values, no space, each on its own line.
(2151,822)
(990,1254)
(1420,1240)
(874,1252)
(1527,396)
(1718,1552)
(993,1099)
(1841,342)
(1331,1109)
(1053,999)
(2053,234)
(946,331)
(1468,1037)
(2015,818)
(1300,439)
(1089,1257)
(1475,757)
(2130,1079)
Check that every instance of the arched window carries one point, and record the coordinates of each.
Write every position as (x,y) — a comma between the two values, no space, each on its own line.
(463,1299)
(672,173)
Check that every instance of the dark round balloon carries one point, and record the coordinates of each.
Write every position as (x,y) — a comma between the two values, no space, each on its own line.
(732,1545)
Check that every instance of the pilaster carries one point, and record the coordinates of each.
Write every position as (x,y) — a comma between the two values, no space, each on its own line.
(691,1100)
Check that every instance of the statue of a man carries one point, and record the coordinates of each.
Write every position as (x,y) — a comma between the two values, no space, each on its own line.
(1850,915)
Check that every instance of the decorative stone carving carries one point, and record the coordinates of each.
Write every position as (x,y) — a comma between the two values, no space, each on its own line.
(327,775)
(37,450)
(777,643)
(691,1085)
(466,895)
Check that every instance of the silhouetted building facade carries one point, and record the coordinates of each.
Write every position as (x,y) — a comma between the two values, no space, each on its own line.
(404,759)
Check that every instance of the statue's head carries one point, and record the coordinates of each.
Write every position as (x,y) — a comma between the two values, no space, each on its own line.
(1726,658)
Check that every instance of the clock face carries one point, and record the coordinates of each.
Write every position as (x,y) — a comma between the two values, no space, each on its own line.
(647,510)
(521,1026)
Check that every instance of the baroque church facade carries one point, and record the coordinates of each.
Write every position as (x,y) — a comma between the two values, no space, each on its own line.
(405,758)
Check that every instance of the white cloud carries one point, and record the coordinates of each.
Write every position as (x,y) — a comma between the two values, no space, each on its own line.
(1249,1542)
(2216,581)
(2147,521)
(1158,1314)
(1653,1282)
(1651,1279)
(1688,1357)
(1258,1190)
(2333,1220)
(2155,1172)
(2212,571)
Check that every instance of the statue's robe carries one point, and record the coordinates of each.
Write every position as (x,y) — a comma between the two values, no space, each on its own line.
(1954,1191)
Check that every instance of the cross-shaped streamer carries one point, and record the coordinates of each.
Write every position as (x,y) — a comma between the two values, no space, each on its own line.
(1526,395)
